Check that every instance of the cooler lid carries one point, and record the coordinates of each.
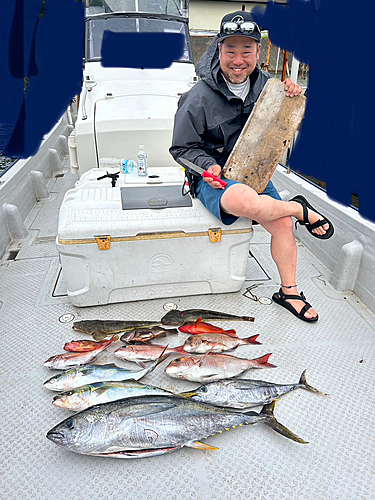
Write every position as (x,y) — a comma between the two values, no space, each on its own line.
(149,197)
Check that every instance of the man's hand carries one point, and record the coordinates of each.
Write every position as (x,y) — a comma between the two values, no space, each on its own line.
(292,88)
(216,171)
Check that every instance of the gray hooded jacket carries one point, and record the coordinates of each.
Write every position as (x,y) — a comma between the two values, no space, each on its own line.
(209,117)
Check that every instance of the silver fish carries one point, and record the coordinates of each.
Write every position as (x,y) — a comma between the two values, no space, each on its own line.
(151,425)
(71,359)
(88,374)
(244,393)
(212,367)
(103,392)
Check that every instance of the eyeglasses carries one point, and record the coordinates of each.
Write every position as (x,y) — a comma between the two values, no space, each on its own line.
(245,27)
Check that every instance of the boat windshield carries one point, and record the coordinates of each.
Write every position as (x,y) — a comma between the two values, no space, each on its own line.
(120,24)
(170,7)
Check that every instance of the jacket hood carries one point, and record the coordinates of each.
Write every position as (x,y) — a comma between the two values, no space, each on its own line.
(208,66)
(208,69)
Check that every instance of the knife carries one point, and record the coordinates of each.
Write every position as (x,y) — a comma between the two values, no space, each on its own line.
(202,172)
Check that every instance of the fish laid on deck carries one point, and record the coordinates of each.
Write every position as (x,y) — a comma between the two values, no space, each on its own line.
(152,425)
(201,343)
(104,392)
(212,367)
(146,334)
(201,327)
(71,359)
(100,329)
(245,393)
(179,318)
(147,352)
(84,345)
(88,374)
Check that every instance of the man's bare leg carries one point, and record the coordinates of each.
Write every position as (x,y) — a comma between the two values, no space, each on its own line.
(275,217)
(243,201)
(284,253)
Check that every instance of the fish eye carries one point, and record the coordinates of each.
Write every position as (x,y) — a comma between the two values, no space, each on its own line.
(204,389)
(70,423)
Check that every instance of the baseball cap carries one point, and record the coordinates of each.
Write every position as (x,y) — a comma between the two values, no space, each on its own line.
(239,23)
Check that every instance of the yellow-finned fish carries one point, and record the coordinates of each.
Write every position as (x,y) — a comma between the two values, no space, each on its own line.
(152,425)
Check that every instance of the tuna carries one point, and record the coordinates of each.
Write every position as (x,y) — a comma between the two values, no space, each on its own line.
(152,425)
(245,393)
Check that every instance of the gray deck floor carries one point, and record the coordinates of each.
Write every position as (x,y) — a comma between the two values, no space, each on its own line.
(252,462)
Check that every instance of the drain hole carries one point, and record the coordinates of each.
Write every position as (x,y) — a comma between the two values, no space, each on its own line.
(13,254)
(59,175)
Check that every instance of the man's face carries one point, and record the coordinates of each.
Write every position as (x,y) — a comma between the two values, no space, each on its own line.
(238,57)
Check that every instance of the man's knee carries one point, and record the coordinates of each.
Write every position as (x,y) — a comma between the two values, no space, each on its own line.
(240,200)
(285,224)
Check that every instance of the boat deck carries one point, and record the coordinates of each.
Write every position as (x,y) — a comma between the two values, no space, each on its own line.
(252,462)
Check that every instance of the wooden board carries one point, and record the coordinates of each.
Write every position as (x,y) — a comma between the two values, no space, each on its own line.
(265,137)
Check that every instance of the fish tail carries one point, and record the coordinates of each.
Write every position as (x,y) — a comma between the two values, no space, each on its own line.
(308,387)
(252,340)
(180,348)
(270,419)
(263,361)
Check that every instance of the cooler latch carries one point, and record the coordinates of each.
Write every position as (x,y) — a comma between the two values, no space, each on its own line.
(104,242)
(215,234)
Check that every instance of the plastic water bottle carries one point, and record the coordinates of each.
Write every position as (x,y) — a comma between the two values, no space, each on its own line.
(127,166)
(142,160)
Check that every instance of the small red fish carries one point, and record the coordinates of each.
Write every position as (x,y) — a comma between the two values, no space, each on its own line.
(85,345)
(72,359)
(200,327)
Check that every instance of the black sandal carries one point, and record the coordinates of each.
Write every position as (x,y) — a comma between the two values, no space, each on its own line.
(305,222)
(280,298)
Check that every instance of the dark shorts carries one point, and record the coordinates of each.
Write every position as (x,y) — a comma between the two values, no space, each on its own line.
(211,198)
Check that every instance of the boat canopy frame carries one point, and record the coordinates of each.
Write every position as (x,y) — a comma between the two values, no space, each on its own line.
(188,53)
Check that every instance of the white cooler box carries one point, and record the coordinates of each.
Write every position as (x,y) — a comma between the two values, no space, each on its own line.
(110,254)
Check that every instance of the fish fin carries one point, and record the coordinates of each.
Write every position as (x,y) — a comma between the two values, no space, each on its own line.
(263,361)
(99,335)
(199,320)
(137,453)
(252,340)
(98,391)
(231,333)
(200,360)
(307,386)
(267,411)
(160,359)
(200,446)
(187,395)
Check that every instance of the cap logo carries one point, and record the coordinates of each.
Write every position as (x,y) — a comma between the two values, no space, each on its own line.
(238,19)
